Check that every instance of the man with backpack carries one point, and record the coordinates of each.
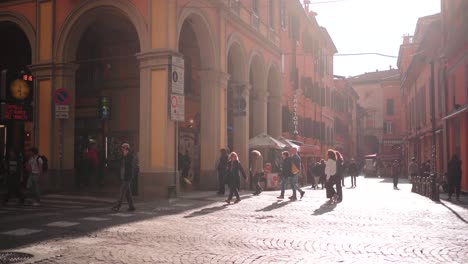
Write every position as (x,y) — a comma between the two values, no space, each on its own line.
(35,167)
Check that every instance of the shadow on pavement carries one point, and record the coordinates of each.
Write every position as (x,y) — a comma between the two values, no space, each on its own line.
(454,212)
(39,221)
(273,206)
(324,208)
(206,211)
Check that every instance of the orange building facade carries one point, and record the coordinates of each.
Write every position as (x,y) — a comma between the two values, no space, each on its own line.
(436,56)
(251,67)
(381,131)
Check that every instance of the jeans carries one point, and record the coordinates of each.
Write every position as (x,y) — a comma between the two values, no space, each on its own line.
(284,182)
(395,181)
(296,180)
(126,191)
(329,186)
(256,181)
(339,187)
(353,181)
(33,184)
(13,183)
(233,190)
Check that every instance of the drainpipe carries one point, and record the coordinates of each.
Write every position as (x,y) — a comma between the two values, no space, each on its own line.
(435,193)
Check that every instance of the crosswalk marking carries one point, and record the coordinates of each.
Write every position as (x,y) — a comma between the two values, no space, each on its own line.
(95,219)
(121,215)
(21,232)
(62,224)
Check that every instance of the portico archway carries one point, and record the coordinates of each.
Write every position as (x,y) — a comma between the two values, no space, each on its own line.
(199,135)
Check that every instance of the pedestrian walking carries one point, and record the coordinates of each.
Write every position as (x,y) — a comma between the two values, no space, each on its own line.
(35,169)
(340,167)
(235,170)
(256,170)
(330,171)
(287,176)
(323,176)
(221,168)
(316,175)
(13,167)
(396,173)
(454,177)
(296,169)
(353,171)
(92,162)
(127,170)
(413,172)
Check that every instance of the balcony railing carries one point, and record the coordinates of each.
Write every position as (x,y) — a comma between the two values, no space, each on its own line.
(252,19)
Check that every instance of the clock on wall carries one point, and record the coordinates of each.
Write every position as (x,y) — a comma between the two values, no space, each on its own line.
(19,89)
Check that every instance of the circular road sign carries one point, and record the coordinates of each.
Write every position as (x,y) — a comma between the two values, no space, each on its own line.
(61,96)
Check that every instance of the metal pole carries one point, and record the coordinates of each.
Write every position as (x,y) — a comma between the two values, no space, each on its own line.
(435,193)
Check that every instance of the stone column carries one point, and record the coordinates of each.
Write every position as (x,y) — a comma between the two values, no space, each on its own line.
(259,112)
(156,147)
(274,116)
(213,124)
(241,126)
(48,130)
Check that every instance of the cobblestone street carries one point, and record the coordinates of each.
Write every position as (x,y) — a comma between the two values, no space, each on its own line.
(374,224)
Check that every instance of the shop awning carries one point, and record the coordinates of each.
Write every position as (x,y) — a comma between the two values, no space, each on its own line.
(289,143)
(457,112)
(265,141)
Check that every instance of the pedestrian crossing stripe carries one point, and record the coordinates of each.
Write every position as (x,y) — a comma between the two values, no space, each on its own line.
(121,215)
(21,232)
(95,219)
(62,224)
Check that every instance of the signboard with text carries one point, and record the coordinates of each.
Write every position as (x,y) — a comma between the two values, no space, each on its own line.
(177,107)
(176,78)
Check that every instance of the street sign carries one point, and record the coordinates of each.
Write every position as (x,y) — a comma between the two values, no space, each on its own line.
(62,111)
(176,78)
(177,106)
(61,96)
(62,115)
(62,108)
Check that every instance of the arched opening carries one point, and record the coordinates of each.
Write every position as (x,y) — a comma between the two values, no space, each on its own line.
(189,131)
(15,56)
(371,145)
(235,93)
(257,115)
(107,96)
(274,103)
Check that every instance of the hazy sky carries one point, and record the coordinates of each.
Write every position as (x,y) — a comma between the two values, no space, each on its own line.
(359,26)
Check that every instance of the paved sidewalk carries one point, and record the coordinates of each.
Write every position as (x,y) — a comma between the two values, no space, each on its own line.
(374,224)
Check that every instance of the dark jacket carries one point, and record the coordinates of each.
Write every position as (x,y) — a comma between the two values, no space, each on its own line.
(286,168)
(235,170)
(130,166)
(339,169)
(353,169)
(454,170)
(222,164)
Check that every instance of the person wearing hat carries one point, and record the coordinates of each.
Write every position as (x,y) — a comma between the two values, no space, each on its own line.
(127,171)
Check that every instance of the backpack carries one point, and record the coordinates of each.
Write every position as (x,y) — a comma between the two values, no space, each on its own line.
(45,162)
